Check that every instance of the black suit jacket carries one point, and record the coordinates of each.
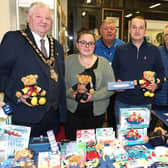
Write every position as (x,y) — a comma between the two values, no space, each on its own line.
(18,59)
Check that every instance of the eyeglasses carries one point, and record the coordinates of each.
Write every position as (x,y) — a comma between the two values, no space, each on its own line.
(84,43)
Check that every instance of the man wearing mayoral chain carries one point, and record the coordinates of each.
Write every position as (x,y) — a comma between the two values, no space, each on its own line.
(33,52)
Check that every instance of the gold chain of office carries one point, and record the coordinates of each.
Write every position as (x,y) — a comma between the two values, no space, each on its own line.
(48,61)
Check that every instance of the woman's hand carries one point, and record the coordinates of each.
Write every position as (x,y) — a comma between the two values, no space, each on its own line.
(74,95)
(88,99)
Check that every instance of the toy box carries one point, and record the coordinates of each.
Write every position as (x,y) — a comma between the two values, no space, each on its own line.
(13,138)
(104,134)
(134,117)
(73,154)
(87,135)
(120,85)
(132,136)
(140,156)
(48,160)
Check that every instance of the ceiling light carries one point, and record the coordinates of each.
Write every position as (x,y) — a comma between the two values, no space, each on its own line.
(84,13)
(70,37)
(155,5)
(128,15)
(137,12)
(88,1)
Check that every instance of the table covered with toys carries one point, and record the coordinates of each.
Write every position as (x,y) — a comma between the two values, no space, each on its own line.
(130,146)
(94,148)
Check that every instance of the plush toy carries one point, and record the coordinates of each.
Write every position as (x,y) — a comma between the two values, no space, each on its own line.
(24,158)
(118,146)
(74,161)
(158,137)
(36,96)
(148,78)
(83,86)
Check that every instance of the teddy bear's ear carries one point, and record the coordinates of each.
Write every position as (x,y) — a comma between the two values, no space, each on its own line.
(153,73)
(36,76)
(23,79)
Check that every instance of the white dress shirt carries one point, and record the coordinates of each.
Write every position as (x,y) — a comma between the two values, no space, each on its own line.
(37,40)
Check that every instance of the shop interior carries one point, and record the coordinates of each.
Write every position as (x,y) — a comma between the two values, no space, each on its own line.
(90,13)
(93,148)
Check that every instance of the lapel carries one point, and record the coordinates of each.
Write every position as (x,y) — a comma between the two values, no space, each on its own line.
(42,65)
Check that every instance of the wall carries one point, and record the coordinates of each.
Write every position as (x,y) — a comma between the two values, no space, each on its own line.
(4,18)
(8,14)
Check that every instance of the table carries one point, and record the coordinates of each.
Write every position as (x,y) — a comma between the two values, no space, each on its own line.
(162,115)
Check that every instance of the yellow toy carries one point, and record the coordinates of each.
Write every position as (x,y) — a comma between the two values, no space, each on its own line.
(36,96)
(148,78)
(83,86)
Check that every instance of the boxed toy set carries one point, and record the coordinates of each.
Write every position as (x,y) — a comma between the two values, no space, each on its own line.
(120,85)
(134,117)
(104,134)
(87,135)
(73,154)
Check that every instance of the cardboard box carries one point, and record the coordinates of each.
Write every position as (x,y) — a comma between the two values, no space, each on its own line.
(48,160)
(120,85)
(87,135)
(132,136)
(73,153)
(134,117)
(104,134)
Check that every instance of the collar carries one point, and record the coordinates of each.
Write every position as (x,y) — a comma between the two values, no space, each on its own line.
(143,43)
(105,45)
(37,37)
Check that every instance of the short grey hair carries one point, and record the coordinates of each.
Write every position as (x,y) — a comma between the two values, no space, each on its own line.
(108,21)
(37,5)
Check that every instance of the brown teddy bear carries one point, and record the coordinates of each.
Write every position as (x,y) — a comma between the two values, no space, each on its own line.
(24,158)
(158,137)
(36,96)
(148,78)
(83,86)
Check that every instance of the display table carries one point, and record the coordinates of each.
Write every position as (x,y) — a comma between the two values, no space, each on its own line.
(39,147)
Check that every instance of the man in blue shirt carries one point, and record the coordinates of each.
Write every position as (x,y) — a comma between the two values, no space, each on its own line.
(107,43)
(105,47)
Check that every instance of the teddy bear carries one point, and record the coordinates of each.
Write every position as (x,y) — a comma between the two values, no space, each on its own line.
(158,137)
(36,96)
(24,157)
(83,86)
(148,78)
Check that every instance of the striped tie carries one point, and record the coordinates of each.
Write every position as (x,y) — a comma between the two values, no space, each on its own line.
(43,49)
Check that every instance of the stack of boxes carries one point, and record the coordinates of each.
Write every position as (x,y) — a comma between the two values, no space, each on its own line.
(133,125)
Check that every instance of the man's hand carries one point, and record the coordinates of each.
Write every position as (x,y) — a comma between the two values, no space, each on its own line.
(152,87)
(23,100)
(119,90)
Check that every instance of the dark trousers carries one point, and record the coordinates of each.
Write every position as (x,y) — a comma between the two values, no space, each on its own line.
(110,112)
(49,122)
(75,122)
